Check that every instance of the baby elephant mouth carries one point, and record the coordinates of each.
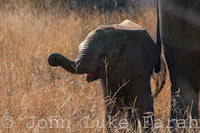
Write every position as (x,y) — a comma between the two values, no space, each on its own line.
(91,77)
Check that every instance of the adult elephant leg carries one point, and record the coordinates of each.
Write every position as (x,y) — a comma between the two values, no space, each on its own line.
(190,98)
(184,103)
(177,106)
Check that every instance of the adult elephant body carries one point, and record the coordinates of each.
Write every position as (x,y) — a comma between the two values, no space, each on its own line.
(122,56)
(180,35)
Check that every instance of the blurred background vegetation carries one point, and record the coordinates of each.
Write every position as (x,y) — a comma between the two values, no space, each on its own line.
(129,6)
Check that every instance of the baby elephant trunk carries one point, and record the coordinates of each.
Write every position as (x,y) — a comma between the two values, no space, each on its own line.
(57,59)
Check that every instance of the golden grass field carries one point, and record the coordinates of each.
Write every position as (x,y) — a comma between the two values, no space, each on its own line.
(31,89)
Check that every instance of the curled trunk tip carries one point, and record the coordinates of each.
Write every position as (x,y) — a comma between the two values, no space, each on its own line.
(53,59)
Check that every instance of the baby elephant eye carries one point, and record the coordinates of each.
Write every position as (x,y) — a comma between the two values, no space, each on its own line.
(102,56)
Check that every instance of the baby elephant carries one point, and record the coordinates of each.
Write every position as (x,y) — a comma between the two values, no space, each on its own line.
(122,56)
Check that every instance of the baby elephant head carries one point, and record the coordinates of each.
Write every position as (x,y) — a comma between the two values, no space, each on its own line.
(110,50)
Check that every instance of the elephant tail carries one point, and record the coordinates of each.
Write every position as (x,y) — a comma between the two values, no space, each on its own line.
(158,40)
(159,75)
(160,78)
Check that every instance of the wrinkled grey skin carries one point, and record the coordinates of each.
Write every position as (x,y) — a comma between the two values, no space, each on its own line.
(117,54)
(180,35)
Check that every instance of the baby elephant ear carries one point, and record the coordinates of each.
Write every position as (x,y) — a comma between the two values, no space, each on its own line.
(121,39)
(118,43)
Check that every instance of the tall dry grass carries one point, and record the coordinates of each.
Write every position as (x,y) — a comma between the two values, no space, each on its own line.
(30,88)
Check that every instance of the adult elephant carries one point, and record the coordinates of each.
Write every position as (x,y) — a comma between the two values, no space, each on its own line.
(123,57)
(179,24)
